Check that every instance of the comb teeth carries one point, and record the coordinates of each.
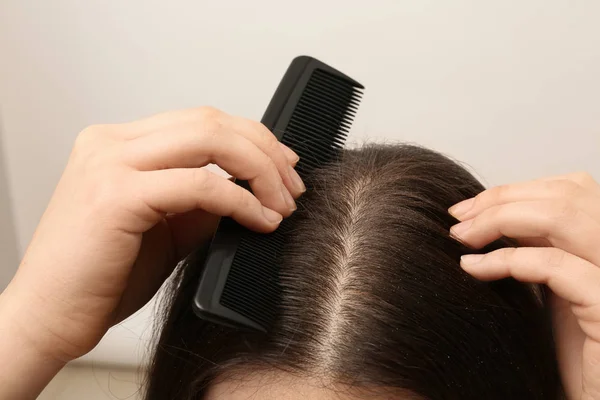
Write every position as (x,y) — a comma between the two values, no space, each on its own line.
(317,131)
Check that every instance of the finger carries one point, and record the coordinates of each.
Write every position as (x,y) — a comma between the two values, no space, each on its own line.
(183,190)
(581,196)
(192,146)
(564,226)
(164,121)
(581,178)
(168,120)
(575,282)
(204,118)
(291,155)
(258,134)
(567,275)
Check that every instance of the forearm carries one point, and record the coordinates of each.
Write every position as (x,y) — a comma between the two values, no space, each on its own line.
(24,369)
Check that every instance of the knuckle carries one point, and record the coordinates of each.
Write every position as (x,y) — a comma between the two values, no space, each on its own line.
(583,177)
(277,158)
(492,214)
(94,150)
(265,133)
(498,193)
(273,175)
(489,196)
(245,199)
(259,127)
(88,137)
(554,258)
(208,112)
(200,179)
(91,131)
(508,254)
(480,199)
(271,142)
(209,119)
(266,166)
(211,127)
(564,211)
(566,188)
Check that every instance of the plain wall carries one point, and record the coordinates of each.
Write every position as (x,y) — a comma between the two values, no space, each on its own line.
(8,242)
(511,87)
(95,382)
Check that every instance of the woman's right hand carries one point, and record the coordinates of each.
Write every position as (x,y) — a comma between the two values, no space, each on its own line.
(557,220)
(132,201)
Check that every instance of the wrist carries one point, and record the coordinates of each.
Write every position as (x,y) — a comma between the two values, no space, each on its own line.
(25,367)
(20,328)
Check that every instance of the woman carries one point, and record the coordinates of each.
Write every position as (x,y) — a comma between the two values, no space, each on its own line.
(132,202)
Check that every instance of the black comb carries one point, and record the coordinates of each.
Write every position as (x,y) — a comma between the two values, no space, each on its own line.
(311,112)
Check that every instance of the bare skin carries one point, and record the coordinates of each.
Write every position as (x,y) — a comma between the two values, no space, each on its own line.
(279,385)
(557,221)
(133,200)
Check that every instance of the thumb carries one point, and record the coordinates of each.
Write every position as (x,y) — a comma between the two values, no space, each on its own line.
(191,229)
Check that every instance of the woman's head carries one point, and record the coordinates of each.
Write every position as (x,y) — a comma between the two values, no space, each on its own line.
(374,304)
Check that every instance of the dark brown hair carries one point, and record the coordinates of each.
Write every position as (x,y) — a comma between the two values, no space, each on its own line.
(374,297)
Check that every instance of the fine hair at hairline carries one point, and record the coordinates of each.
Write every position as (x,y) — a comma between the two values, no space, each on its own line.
(373,297)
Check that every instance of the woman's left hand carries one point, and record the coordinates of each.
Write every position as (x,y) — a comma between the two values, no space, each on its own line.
(557,220)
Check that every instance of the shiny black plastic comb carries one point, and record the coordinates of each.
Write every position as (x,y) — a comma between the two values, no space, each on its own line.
(311,112)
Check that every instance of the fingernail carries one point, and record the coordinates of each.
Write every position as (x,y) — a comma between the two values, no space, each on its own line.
(289,200)
(296,180)
(459,230)
(272,216)
(461,208)
(292,157)
(470,259)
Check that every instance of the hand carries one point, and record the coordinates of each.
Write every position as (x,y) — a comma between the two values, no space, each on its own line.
(133,200)
(562,214)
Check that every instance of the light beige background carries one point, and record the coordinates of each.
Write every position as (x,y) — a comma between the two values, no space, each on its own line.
(511,87)
(8,243)
(95,382)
